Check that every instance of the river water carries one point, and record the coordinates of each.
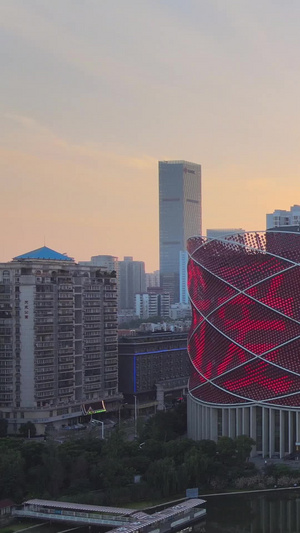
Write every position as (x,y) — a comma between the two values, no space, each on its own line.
(272,512)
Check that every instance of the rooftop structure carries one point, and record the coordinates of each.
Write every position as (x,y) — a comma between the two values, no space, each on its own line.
(43,254)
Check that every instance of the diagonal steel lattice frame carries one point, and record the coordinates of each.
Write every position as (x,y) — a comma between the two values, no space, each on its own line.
(230,255)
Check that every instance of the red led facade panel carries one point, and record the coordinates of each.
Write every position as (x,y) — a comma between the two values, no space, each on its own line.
(244,342)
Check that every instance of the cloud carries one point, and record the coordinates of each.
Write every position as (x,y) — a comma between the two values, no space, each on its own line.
(76,193)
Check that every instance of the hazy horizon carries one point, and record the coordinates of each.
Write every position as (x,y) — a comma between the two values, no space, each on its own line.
(95,93)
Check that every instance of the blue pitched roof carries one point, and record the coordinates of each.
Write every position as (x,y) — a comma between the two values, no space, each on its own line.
(44,253)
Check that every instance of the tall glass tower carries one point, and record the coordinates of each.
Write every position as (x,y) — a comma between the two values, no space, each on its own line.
(180,217)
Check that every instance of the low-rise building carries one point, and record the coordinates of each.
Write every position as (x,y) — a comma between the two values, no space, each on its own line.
(151,367)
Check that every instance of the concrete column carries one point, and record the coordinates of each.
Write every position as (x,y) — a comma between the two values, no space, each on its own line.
(282,422)
(207,425)
(229,423)
(214,424)
(197,417)
(252,424)
(225,422)
(291,438)
(239,421)
(203,420)
(246,421)
(297,439)
(271,432)
(265,431)
(232,422)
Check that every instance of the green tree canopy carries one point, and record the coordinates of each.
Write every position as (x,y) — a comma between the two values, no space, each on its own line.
(28,429)
(3,427)
(243,446)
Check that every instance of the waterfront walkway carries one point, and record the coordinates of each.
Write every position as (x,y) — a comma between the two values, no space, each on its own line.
(123,520)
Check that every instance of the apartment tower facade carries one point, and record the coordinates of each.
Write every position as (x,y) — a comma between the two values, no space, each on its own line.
(58,339)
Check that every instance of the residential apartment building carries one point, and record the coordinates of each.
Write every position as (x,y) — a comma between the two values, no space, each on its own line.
(180,216)
(155,302)
(284,218)
(58,339)
(153,279)
(107,262)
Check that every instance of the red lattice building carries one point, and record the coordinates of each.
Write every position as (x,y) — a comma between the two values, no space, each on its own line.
(244,342)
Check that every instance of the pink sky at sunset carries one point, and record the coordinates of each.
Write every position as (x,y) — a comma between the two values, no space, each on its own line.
(94,93)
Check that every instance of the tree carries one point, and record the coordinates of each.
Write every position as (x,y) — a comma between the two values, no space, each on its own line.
(11,475)
(162,475)
(28,429)
(3,427)
(54,470)
(226,450)
(166,425)
(243,446)
(177,449)
(199,467)
(208,447)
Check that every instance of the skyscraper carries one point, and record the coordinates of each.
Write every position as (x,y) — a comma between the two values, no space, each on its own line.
(180,217)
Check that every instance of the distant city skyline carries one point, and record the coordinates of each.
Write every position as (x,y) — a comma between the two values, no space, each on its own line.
(95,93)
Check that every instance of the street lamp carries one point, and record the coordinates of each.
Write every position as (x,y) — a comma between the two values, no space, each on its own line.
(102,429)
(98,422)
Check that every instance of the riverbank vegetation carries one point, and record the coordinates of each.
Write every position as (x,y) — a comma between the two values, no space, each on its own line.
(161,463)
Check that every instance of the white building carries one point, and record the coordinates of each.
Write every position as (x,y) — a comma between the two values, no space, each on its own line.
(58,339)
(153,279)
(284,218)
(152,303)
(180,311)
(142,305)
(107,262)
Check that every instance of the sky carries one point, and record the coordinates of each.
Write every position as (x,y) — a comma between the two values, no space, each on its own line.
(93,93)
